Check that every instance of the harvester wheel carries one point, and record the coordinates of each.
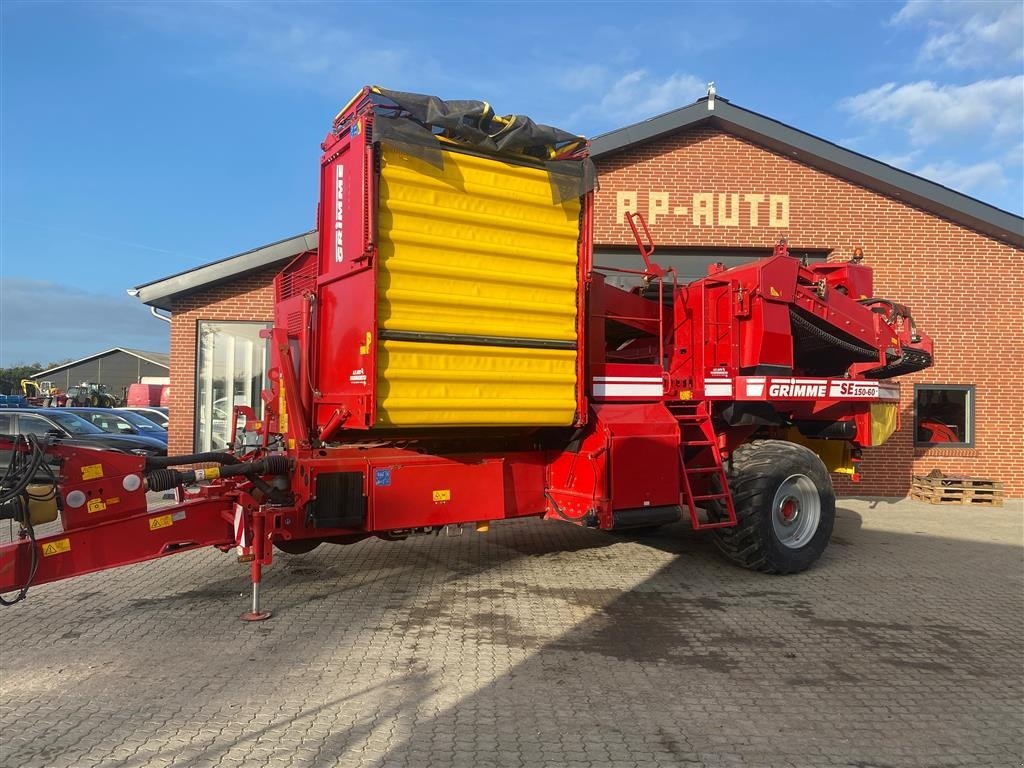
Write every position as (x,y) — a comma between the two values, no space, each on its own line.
(297,546)
(785,507)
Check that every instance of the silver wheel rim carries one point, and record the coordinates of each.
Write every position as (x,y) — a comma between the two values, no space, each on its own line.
(796,511)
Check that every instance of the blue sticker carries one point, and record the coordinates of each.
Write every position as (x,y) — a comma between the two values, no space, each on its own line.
(382,477)
(354,130)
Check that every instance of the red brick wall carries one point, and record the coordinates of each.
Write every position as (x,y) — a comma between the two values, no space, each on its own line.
(966,290)
(246,298)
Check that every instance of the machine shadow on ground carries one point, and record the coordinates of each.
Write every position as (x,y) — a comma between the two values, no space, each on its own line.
(538,643)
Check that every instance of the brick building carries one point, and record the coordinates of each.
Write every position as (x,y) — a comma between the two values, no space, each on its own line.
(718,183)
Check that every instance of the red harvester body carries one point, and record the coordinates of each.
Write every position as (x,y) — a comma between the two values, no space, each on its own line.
(452,355)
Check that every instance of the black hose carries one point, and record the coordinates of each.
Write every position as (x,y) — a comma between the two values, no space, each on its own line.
(14,495)
(210,457)
(165,479)
(23,477)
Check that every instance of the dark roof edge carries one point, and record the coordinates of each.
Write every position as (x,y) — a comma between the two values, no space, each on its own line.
(160,293)
(87,358)
(827,156)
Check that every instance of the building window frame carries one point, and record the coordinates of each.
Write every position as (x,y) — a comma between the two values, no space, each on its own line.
(969,411)
(199,438)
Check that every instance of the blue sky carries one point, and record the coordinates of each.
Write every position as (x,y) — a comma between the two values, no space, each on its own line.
(139,140)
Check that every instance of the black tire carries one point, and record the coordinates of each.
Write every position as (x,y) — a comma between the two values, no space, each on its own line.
(297,546)
(775,486)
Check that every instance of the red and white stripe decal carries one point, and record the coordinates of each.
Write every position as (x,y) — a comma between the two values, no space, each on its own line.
(241,533)
(718,387)
(628,386)
(791,388)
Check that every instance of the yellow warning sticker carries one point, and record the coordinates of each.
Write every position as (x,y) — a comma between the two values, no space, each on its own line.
(443,495)
(164,521)
(95,505)
(773,291)
(56,547)
(113,500)
(92,471)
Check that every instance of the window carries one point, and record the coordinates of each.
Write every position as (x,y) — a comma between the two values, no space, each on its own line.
(5,424)
(944,415)
(34,425)
(231,368)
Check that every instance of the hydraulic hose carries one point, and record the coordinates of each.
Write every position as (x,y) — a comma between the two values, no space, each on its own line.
(14,498)
(165,479)
(210,457)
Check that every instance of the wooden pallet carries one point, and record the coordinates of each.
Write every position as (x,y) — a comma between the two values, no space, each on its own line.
(952,489)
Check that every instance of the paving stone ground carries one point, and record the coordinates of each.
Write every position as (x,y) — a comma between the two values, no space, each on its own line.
(538,644)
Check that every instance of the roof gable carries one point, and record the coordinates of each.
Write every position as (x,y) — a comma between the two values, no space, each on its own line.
(824,155)
(161,359)
(160,293)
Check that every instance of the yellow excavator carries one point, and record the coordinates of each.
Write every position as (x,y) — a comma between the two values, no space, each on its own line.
(42,394)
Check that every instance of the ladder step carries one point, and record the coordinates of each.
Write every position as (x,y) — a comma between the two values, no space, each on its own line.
(711,497)
(709,526)
(688,443)
(701,470)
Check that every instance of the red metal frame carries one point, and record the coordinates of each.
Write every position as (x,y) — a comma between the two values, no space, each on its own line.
(654,370)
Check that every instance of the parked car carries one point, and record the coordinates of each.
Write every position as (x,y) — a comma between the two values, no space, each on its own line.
(157,415)
(121,423)
(64,424)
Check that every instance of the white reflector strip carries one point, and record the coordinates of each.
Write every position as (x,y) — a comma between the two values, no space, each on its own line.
(718,387)
(628,390)
(241,535)
(628,379)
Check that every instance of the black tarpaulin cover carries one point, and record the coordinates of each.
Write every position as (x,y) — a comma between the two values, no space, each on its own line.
(417,121)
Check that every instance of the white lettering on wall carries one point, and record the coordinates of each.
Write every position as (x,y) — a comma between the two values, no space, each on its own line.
(708,209)
(625,202)
(657,206)
(703,209)
(778,211)
(729,210)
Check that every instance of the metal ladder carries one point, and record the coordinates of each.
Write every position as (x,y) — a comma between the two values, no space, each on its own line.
(700,457)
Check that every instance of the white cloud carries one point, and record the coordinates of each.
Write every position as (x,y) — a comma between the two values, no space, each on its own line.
(965,178)
(930,112)
(1015,154)
(42,321)
(964,35)
(583,78)
(905,160)
(301,46)
(638,95)
(963,135)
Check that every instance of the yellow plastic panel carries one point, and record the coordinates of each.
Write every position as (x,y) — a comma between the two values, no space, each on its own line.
(834,454)
(477,247)
(884,420)
(422,384)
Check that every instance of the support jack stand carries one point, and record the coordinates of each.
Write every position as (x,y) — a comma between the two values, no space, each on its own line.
(257,575)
